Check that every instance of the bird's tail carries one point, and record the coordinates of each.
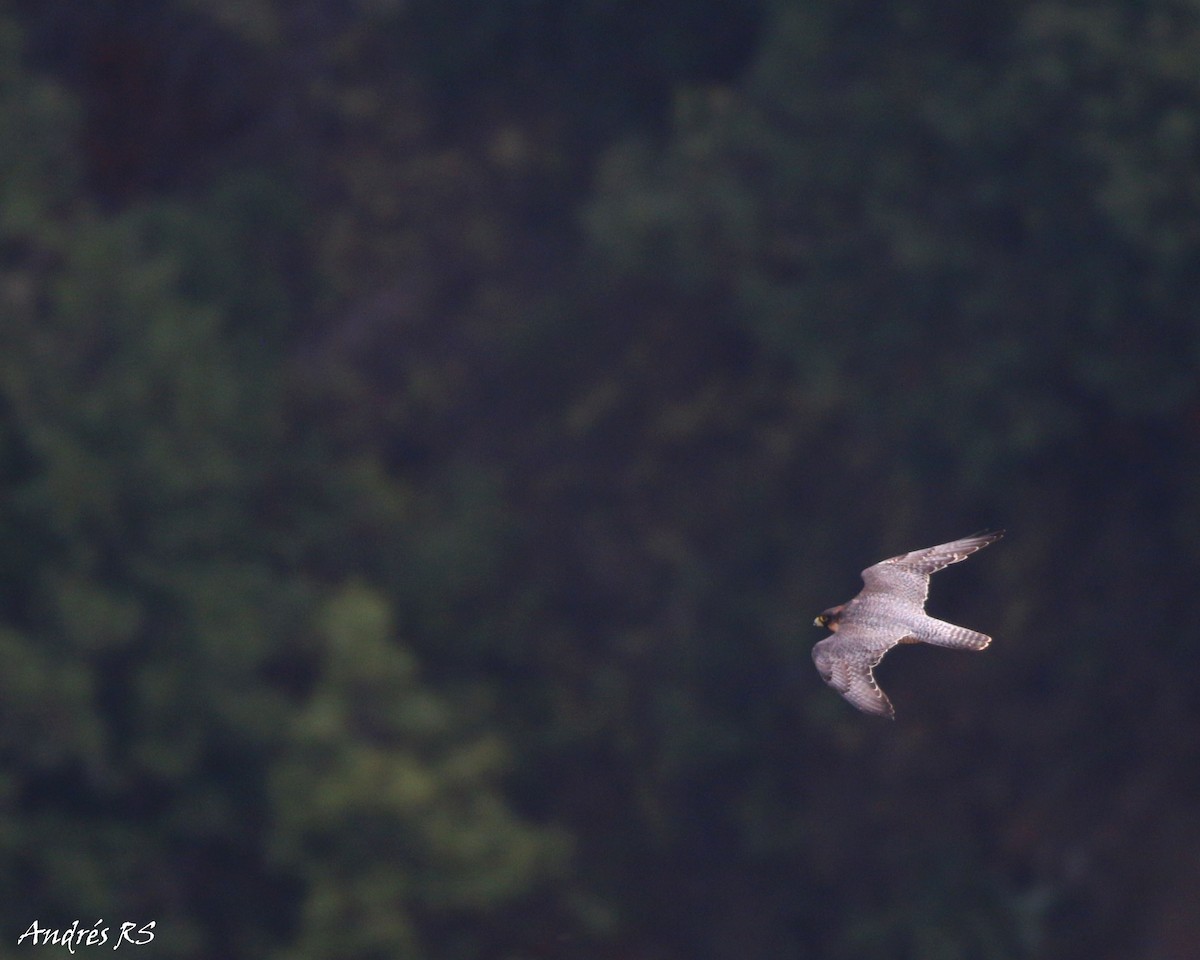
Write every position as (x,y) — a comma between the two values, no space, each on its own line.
(942,634)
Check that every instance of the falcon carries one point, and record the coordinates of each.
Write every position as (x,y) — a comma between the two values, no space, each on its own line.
(890,609)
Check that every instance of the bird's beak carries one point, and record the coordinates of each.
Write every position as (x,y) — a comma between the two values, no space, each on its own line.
(819,622)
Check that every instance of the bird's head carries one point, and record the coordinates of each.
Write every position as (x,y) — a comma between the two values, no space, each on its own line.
(829,618)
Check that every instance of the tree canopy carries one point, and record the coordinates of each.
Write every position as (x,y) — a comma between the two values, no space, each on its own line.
(427,431)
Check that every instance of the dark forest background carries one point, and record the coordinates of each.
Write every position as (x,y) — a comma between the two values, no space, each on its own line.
(429,427)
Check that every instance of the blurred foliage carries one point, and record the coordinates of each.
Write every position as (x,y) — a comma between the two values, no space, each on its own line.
(173,538)
(424,428)
(377,775)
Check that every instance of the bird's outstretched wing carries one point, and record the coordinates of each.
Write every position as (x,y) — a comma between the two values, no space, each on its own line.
(906,577)
(847,660)
(856,683)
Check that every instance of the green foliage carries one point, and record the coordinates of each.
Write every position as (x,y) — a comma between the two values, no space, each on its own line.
(167,757)
(412,451)
(389,804)
(866,207)
(36,119)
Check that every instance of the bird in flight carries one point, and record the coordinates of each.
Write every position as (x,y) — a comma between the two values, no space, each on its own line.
(890,609)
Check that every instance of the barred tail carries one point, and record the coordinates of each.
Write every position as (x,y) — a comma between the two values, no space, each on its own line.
(942,634)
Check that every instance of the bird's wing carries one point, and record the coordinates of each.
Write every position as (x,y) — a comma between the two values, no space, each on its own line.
(851,656)
(856,683)
(906,576)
